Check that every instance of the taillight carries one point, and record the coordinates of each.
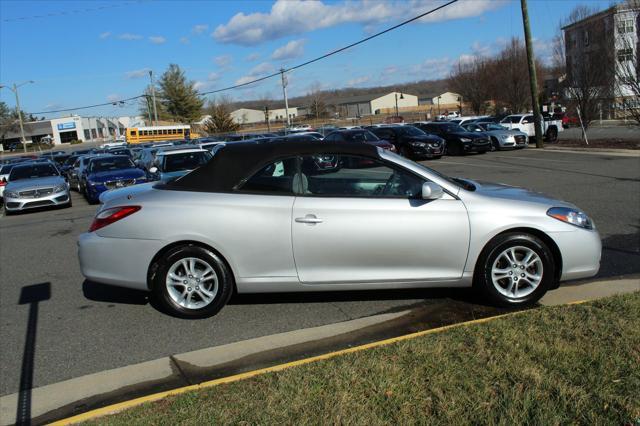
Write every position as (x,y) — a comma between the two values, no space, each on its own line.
(109,216)
(3,183)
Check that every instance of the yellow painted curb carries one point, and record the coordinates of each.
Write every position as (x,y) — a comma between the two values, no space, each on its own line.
(111,409)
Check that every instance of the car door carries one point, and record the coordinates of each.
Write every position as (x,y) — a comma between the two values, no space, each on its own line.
(365,221)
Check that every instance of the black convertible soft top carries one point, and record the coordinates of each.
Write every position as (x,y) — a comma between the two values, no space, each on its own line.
(239,160)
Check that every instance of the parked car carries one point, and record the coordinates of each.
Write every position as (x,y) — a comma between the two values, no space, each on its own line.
(107,172)
(120,151)
(238,223)
(411,142)
(449,115)
(5,169)
(74,173)
(359,135)
(501,137)
(67,165)
(32,185)
(525,123)
(171,164)
(459,141)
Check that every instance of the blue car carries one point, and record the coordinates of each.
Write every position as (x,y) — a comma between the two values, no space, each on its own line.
(173,163)
(109,172)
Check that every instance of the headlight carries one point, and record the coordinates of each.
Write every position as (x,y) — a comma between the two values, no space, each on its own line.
(11,194)
(60,188)
(571,216)
(416,143)
(465,140)
(93,183)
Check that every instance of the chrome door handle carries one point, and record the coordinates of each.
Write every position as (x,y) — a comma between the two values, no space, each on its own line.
(310,218)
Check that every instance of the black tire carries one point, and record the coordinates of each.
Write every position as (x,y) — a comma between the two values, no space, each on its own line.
(454,149)
(405,152)
(552,134)
(483,279)
(495,146)
(161,294)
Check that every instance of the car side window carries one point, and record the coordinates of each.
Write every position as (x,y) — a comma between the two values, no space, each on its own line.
(329,175)
(528,119)
(275,178)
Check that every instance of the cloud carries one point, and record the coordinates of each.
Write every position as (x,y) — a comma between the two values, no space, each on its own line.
(203,85)
(432,68)
(157,40)
(136,74)
(258,71)
(293,49)
(358,81)
(200,28)
(213,76)
(113,97)
(184,40)
(253,57)
(52,106)
(291,17)
(129,36)
(104,35)
(223,61)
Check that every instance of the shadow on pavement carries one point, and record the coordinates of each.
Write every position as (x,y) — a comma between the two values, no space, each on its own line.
(30,295)
(108,293)
(620,255)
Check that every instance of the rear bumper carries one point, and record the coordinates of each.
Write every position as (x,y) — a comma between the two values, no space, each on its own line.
(19,204)
(581,251)
(122,262)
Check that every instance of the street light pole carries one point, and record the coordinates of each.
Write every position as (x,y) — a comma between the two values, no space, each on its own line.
(153,94)
(14,89)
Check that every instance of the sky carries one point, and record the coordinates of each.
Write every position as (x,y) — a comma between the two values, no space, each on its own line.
(82,53)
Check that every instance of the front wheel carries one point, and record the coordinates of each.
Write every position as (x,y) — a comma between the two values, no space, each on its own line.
(515,269)
(192,282)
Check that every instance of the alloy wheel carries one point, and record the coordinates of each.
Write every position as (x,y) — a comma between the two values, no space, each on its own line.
(517,272)
(192,283)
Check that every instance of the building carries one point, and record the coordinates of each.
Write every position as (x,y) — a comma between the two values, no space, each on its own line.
(602,51)
(73,128)
(373,103)
(254,116)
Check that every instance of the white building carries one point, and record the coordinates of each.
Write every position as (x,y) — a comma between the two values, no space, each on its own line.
(67,129)
(374,103)
(447,98)
(253,116)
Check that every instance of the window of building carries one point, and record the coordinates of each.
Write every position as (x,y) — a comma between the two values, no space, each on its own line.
(87,134)
(625,26)
(625,55)
(586,37)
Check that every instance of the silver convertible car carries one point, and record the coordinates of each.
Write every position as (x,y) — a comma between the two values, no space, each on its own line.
(286,217)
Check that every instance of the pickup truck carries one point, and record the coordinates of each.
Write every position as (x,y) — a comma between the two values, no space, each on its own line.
(525,123)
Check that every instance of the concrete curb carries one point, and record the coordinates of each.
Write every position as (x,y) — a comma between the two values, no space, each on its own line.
(592,151)
(169,372)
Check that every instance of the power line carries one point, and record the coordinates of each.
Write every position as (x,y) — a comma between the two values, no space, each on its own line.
(257,80)
(408,21)
(69,12)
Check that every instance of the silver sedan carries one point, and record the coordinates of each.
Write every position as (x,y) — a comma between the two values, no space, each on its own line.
(284,217)
(32,185)
(501,137)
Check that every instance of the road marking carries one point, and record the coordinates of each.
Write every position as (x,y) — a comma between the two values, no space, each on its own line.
(478,165)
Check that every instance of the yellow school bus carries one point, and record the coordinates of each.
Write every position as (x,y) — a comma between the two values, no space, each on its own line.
(158,133)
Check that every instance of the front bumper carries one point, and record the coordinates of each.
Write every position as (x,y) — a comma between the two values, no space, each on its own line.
(426,150)
(122,262)
(19,204)
(581,251)
(477,147)
(94,191)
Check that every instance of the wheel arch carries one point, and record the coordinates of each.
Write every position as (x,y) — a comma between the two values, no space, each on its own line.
(555,250)
(153,265)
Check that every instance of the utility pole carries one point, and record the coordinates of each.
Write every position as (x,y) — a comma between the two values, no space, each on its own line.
(147,97)
(533,80)
(286,101)
(14,89)
(153,94)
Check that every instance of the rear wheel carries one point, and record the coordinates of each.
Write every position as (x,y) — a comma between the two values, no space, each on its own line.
(495,146)
(515,269)
(552,134)
(192,282)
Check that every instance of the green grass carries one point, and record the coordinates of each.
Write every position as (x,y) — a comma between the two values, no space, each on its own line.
(576,364)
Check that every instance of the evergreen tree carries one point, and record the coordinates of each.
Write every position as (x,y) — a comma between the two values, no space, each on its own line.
(178,97)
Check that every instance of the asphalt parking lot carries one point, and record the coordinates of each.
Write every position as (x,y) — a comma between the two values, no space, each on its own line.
(84,328)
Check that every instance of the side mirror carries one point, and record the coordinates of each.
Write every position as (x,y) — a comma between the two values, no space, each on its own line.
(431,191)
(153,170)
(4,180)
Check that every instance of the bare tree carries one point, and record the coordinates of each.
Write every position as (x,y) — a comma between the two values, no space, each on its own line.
(317,102)
(220,120)
(508,80)
(469,79)
(627,71)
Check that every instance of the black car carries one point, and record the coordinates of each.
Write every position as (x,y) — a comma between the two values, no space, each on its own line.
(411,142)
(459,140)
(68,164)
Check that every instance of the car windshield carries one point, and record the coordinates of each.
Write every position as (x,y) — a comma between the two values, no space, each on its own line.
(185,161)
(512,119)
(364,136)
(119,152)
(4,170)
(493,126)
(410,131)
(33,171)
(451,127)
(110,163)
